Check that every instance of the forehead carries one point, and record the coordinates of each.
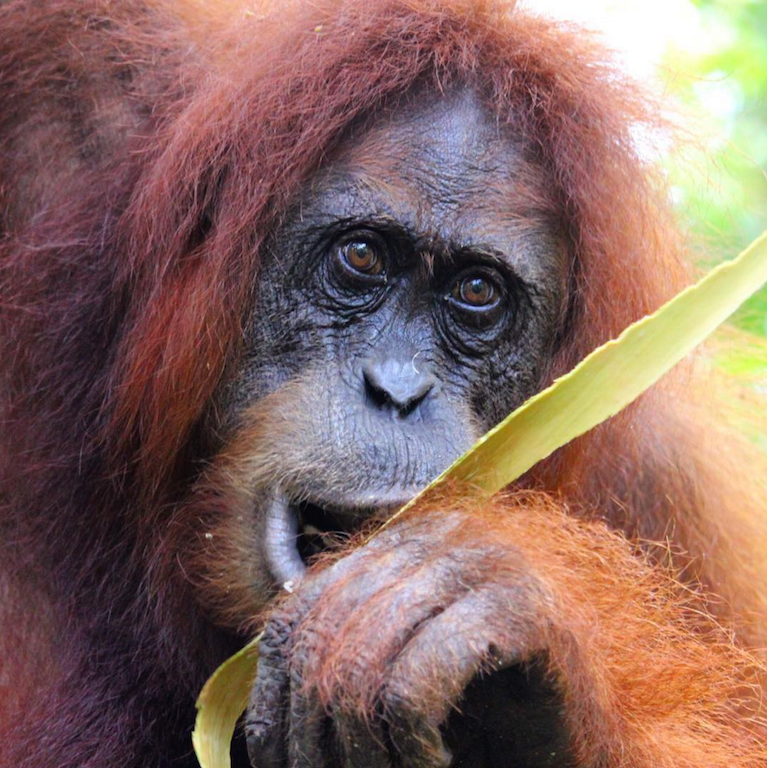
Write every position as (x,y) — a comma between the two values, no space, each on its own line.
(443,167)
(444,151)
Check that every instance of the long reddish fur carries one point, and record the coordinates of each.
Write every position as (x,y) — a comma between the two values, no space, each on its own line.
(122,127)
(647,680)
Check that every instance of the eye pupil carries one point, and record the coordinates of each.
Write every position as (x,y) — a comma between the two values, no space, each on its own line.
(476,291)
(362,257)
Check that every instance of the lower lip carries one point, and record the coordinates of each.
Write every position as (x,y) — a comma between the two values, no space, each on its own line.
(281,536)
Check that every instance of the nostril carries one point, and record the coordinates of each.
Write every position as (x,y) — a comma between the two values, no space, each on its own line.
(392,384)
(376,393)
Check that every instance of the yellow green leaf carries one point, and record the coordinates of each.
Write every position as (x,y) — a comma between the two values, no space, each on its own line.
(222,700)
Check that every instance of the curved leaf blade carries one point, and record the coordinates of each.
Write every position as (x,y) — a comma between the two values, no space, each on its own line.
(220,703)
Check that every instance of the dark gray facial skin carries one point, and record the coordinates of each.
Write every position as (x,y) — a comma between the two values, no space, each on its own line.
(420,282)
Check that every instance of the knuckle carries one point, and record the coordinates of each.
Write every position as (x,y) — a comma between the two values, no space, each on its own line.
(277,634)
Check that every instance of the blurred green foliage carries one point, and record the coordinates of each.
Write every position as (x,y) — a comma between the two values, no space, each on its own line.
(722,79)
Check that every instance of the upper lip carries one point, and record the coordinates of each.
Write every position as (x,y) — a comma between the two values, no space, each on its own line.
(283,527)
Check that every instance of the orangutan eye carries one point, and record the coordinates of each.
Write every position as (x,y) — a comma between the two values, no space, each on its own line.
(475,292)
(363,255)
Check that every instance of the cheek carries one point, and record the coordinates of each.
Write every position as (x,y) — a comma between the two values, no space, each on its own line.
(515,369)
(506,386)
(281,341)
(224,552)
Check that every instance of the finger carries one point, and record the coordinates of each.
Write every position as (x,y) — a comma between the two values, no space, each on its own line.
(352,742)
(283,722)
(333,652)
(353,590)
(309,743)
(265,718)
(285,719)
(350,658)
(413,733)
(431,673)
(268,721)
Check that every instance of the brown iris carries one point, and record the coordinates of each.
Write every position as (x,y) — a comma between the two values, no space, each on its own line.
(474,291)
(361,256)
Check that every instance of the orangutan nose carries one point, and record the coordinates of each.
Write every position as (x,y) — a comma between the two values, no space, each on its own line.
(396,382)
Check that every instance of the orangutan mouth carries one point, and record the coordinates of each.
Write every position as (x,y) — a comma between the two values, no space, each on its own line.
(298,531)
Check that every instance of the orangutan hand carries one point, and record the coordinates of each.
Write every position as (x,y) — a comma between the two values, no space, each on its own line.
(425,648)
